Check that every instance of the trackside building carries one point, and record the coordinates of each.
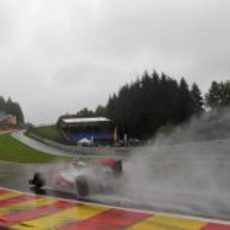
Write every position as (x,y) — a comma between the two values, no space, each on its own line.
(96,129)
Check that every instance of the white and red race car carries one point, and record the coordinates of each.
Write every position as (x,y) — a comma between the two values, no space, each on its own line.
(84,178)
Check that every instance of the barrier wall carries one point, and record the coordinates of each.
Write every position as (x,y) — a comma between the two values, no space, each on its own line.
(82,150)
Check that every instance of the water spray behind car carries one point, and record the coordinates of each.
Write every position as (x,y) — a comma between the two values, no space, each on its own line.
(186,170)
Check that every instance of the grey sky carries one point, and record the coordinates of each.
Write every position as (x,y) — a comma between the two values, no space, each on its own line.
(59,56)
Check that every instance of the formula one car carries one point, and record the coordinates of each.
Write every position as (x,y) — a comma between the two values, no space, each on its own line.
(83,178)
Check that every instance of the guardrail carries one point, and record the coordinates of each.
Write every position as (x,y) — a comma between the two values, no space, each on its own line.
(87,150)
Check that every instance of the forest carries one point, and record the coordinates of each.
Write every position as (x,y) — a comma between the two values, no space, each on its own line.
(157,101)
(10,107)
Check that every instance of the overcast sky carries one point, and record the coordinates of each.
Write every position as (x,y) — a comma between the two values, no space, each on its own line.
(58,56)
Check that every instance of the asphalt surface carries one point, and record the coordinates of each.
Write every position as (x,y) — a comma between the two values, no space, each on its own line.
(86,152)
(38,145)
(192,179)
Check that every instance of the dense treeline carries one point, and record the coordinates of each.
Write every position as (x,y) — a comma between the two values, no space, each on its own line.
(10,107)
(155,102)
(141,108)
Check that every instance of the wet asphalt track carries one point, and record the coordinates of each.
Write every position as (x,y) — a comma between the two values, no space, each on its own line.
(38,145)
(195,183)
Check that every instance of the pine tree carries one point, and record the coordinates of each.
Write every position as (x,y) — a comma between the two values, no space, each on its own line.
(100,111)
(14,108)
(197,98)
(213,97)
(85,112)
(184,103)
(218,94)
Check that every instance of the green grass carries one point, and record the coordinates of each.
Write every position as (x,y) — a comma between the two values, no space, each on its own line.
(49,132)
(15,151)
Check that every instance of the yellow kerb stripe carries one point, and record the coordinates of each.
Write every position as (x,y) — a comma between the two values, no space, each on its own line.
(26,205)
(9,195)
(160,222)
(62,218)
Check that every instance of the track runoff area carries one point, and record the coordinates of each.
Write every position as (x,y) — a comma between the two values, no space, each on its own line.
(20,210)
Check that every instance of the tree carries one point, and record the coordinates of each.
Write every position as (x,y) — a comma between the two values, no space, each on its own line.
(110,109)
(100,111)
(225,93)
(197,98)
(19,114)
(14,108)
(167,99)
(85,112)
(213,97)
(218,94)
(2,104)
(184,103)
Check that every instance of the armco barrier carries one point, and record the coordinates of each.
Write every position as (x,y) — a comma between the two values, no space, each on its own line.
(82,150)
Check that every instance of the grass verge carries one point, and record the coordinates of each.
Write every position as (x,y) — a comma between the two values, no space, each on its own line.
(50,132)
(15,151)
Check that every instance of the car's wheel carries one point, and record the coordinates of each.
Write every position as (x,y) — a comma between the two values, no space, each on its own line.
(82,186)
(38,180)
(117,168)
